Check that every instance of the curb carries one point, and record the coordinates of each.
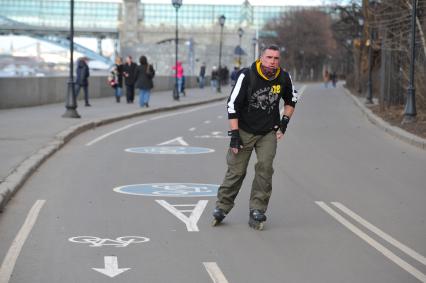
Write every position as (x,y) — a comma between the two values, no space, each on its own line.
(15,180)
(394,131)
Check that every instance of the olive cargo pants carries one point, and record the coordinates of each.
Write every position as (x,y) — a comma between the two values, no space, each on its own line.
(265,147)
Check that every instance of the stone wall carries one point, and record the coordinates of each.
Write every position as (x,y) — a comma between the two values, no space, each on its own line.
(32,91)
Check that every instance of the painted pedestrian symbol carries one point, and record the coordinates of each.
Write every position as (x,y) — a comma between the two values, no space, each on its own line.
(170,190)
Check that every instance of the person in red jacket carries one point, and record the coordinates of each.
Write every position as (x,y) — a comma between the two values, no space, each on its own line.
(179,74)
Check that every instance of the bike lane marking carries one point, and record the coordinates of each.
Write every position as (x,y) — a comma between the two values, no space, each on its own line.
(151,119)
(178,140)
(169,150)
(191,221)
(11,257)
(379,247)
(119,242)
(114,132)
(215,273)
(169,189)
(420,258)
(111,267)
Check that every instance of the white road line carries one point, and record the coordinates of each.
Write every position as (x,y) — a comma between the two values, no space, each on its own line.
(386,252)
(192,129)
(215,273)
(301,91)
(220,117)
(380,233)
(186,111)
(151,119)
(114,132)
(207,122)
(9,261)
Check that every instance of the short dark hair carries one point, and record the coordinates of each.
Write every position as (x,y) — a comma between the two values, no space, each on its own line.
(271,47)
(143,60)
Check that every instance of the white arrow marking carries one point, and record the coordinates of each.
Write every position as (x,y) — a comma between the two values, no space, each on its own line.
(111,267)
(191,221)
(178,140)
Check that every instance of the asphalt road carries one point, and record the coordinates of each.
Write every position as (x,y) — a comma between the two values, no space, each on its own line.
(348,205)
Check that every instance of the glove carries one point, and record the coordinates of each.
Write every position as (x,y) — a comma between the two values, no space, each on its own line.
(284,122)
(235,139)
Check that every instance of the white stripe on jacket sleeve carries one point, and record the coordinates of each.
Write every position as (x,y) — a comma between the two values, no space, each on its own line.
(234,94)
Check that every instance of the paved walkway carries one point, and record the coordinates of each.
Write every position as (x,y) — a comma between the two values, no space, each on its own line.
(28,136)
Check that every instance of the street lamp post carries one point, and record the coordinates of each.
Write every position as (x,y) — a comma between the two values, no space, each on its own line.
(240,35)
(254,42)
(71,104)
(369,98)
(410,106)
(361,26)
(222,23)
(176,4)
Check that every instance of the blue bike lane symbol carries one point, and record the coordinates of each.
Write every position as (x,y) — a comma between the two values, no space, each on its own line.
(170,189)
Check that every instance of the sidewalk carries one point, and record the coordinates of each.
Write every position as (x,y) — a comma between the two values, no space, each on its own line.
(394,131)
(30,135)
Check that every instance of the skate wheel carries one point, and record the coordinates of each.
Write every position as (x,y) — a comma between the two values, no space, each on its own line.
(256,225)
(215,222)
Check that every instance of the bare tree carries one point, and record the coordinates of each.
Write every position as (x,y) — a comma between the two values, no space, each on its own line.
(308,40)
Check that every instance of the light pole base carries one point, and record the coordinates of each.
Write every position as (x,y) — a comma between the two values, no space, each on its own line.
(369,101)
(71,113)
(408,119)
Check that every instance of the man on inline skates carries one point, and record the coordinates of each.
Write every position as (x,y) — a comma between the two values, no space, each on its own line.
(255,123)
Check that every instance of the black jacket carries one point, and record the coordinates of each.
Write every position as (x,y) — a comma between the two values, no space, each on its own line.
(131,71)
(82,73)
(256,104)
(119,74)
(144,76)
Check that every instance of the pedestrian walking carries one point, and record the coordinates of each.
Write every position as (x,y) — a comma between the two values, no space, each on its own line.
(82,80)
(202,75)
(326,77)
(129,71)
(116,79)
(234,75)
(179,74)
(144,75)
(214,78)
(255,124)
(333,78)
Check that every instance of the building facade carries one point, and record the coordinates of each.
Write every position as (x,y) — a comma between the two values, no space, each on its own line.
(149,29)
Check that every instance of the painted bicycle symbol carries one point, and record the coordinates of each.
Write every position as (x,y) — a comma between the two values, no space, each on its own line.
(179,189)
(118,242)
(170,189)
(169,150)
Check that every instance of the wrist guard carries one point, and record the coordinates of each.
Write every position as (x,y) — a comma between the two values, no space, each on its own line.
(235,139)
(284,122)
